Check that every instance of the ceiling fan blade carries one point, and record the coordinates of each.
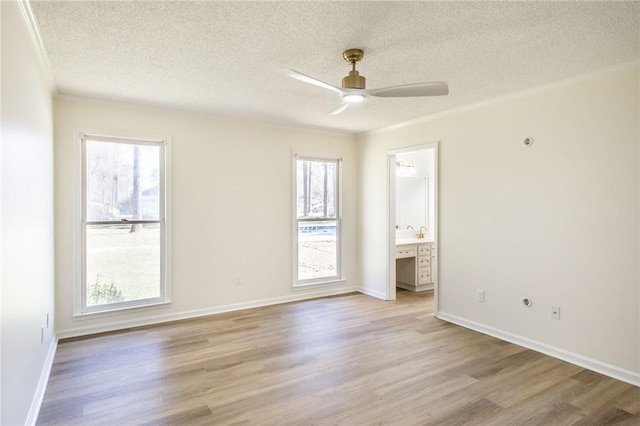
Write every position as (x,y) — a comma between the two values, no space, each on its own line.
(340,108)
(311,80)
(435,88)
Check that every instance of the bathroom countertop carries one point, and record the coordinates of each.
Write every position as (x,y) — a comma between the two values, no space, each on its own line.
(404,241)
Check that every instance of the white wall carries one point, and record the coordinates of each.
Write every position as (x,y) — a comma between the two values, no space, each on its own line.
(27,221)
(231,208)
(557,222)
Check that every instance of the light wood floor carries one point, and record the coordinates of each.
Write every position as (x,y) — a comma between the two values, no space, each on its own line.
(347,360)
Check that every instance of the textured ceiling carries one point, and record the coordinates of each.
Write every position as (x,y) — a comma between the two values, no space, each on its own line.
(228,57)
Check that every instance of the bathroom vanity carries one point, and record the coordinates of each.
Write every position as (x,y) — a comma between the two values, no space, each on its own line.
(414,260)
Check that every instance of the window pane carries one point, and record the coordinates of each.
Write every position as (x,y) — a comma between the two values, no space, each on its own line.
(122,263)
(317,250)
(316,189)
(123,181)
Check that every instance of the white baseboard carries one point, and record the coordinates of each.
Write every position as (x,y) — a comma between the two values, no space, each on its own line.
(34,410)
(157,319)
(582,361)
(373,293)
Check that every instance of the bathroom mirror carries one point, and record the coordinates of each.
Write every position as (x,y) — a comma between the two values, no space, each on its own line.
(411,201)
(414,193)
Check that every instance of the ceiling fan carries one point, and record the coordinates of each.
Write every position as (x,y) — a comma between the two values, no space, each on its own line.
(354,85)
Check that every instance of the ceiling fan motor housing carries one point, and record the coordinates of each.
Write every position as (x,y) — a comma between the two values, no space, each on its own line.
(353,81)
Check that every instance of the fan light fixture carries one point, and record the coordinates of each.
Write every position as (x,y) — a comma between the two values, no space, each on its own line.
(353,98)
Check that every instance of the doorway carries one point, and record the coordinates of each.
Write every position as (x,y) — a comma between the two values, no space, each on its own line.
(413,215)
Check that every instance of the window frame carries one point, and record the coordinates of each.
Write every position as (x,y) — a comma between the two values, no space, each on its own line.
(339,276)
(82,224)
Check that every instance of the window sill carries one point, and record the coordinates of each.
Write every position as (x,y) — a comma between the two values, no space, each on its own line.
(336,281)
(118,311)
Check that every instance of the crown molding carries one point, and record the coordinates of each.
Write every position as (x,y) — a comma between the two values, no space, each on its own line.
(587,76)
(32,25)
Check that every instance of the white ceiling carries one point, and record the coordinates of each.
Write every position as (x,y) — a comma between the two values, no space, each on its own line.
(228,57)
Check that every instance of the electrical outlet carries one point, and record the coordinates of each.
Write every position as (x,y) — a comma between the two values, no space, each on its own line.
(238,279)
(555,312)
(480,295)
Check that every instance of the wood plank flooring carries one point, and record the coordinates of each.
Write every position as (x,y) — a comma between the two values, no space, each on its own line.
(346,360)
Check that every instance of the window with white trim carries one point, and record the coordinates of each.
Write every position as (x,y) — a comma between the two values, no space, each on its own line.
(123,223)
(318,221)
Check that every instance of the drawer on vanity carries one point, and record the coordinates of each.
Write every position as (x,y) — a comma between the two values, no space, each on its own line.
(424,275)
(424,250)
(405,251)
(424,261)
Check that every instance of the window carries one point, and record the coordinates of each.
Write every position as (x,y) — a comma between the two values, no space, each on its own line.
(318,224)
(124,224)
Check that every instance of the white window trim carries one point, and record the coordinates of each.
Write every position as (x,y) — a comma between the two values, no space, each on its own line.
(78,217)
(340,277)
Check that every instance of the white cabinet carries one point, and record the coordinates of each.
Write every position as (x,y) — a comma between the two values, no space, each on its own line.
(413,266)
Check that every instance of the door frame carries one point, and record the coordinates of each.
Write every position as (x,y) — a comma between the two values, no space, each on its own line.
(391,226)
